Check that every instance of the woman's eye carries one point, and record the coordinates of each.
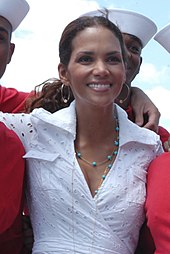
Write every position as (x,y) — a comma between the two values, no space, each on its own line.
(85,59)
(113,59)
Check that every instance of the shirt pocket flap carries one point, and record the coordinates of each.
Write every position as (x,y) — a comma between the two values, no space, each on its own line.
(46,156)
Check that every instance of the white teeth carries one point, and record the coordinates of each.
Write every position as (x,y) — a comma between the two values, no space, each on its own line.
(99,85)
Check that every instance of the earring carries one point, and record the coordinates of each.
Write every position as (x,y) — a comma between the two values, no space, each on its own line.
(121,101)
(65,93)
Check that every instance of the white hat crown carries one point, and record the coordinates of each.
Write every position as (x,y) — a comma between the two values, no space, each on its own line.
(14,11)
(130,22)
(163,37)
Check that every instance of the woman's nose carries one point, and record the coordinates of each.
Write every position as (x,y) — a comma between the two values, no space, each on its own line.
(100,68)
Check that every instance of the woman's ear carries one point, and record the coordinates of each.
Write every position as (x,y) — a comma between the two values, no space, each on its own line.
(63,74)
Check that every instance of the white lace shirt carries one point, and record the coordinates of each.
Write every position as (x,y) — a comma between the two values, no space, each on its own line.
(65,217)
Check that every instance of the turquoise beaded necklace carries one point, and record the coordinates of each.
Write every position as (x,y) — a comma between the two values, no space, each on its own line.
(109,158)
(94,163)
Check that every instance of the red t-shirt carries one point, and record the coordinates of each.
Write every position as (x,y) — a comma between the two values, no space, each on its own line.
(11,191)
(11,100)
(11,180)
(146,244)
(158,202)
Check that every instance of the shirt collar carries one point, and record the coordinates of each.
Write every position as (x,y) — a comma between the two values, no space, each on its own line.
(131,132)
(65,119)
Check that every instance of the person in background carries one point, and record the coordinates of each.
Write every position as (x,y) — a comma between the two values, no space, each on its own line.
(12,12)
(158,183)
(87,163)
(12,166)
(163,37)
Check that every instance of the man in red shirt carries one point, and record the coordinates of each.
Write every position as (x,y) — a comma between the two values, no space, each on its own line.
(11,191)
(12,164)
(158,187)
(11,14)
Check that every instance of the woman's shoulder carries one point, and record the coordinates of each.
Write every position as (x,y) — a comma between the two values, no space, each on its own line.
(131,132)
(13,120)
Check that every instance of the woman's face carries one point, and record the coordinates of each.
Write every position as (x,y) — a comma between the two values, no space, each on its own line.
(96,69)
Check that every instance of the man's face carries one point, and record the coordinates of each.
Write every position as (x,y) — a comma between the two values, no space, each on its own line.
(134,48)
(6,47)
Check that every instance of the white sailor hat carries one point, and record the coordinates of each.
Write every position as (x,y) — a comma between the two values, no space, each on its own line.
(163,37)
(14,11)
(130,22)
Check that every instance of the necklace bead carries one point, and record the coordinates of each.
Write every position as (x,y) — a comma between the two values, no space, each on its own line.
(117,128)
(116,142)
(109,166)
(109,157)
(78,155)
(94,164)
(103,177)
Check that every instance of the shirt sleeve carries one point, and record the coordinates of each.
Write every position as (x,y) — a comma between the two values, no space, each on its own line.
(12,100)
(11,177)
(21,124)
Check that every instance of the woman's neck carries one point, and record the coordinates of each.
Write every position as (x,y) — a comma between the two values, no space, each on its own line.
(96,147)
(96,124)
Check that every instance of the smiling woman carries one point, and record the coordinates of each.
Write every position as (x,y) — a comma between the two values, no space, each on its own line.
(154,71)
(98,73)
(87,163)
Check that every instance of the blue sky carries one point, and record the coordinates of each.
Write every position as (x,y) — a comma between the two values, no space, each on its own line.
(36,54)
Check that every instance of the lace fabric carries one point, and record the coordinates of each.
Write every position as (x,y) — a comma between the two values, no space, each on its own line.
(61,206)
